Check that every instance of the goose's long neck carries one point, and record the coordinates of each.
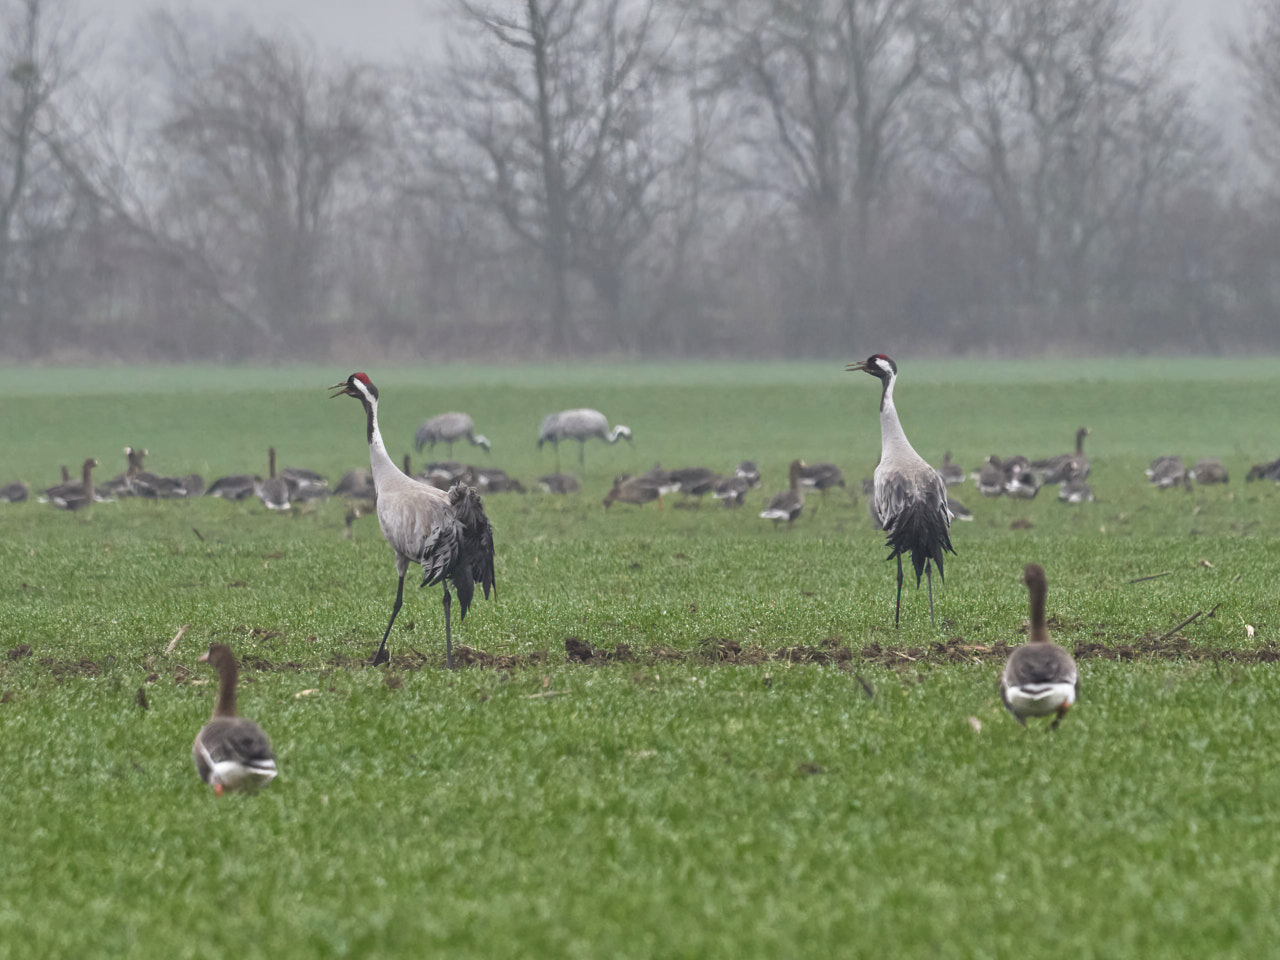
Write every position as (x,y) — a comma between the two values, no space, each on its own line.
(379,460)
(87,479)
(1080,444)
(227,675)
(891,435)
(1039,630)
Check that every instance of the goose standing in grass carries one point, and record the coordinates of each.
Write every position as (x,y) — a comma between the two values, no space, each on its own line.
(447,428)
(230,752)
(74,496)
(1039,678)
(911,499)
(447,533)
(990,478)
(1067,466)
(951,473)
(788,504)
(273,491)
(580,425)
(748,471)
(14,492)
(635,490)
(1208,471)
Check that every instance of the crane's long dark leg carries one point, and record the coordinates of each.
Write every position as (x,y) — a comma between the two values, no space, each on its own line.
(582,455)
(897,609)
(928,573)
(448,640)
(557,446)
(381,656)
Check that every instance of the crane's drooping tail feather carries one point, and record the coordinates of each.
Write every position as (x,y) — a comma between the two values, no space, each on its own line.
(461,549)
(920,528)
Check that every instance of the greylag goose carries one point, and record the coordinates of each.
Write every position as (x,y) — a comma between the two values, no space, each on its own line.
(14,492)
(990,478)
(1208,471)
(559,483)
(273,491)
(951,473)
(788,504)
(239,486)
(74,496)
(1075,491)
(1039,678)
(1067,466)
(230,752)
(635,490)
(749,472)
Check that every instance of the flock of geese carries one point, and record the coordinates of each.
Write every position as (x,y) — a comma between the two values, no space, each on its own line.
(437,522)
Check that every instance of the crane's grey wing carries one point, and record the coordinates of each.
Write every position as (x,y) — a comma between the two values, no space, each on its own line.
(425,434)
(912,505)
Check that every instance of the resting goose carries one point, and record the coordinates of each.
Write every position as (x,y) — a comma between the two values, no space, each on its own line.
(1019,480)
(1068,466)
(951,473)
(1264,471)
(14,492)
(74,496)
(787,504)
(274,491)
(1075,491)
(731,491)
(559,483)
(357,484)
(1039,678)
(1166,472)
(990,478)
(635,490)
(749,472)
(1208,471)
(230,752)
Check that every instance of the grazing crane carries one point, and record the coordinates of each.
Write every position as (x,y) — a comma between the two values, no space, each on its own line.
(580,425)
(447,533)
(448,428)
(910,496)
(273,491)
(1039,678)
(230,752)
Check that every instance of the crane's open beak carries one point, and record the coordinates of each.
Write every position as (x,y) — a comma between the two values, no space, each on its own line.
(342,389)
(852,367)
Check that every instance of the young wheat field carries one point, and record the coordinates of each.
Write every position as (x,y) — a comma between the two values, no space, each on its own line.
(676,732)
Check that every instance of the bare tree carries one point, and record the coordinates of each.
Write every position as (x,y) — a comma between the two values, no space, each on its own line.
(1067,122)
(827,83)
(548,120)
(255,139)
(40,55)
(1256,51)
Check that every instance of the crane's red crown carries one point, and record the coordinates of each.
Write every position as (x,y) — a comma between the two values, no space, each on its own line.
(363,378)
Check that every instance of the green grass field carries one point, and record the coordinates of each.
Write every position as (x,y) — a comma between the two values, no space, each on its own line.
(669,805)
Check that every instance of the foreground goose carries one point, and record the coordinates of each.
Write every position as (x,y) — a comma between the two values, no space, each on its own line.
(787,504)
(230,752)
(1039,678)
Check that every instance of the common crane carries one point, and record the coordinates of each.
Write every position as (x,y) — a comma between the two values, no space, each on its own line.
(910,496)
(447,428)
(230,752)
(1039,678)
(447,533)
(580,425)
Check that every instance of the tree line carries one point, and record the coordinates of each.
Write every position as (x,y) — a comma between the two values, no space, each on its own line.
(638,178)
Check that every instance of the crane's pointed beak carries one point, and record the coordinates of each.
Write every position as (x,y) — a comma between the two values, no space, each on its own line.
(861,365)
(340,387)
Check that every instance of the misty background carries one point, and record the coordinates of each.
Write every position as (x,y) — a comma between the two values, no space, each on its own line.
(548,178)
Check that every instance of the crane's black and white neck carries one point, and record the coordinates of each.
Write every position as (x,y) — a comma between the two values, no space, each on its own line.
(446,532)
(910,496)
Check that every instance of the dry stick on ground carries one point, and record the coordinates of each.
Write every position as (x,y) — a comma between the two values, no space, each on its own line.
(871,691)
(1194,616)
(197,533)
(174,642)
(1152,577)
